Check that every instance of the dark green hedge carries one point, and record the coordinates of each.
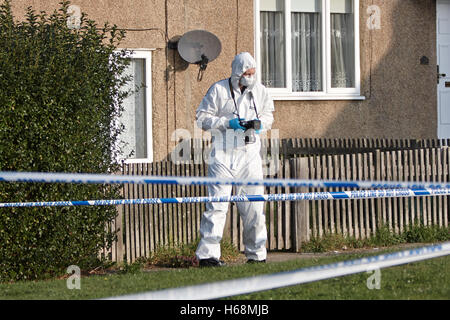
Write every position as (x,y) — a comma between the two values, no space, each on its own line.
(59,92)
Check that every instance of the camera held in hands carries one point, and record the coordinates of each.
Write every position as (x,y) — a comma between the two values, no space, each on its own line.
(250,127)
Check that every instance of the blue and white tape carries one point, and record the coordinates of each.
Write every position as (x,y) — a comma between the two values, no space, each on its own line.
(216,290)
(43,177)
(357,194)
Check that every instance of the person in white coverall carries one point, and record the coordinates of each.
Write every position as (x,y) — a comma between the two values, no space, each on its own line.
(231,157)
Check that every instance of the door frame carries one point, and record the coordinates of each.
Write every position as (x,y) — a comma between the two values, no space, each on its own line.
(438,129)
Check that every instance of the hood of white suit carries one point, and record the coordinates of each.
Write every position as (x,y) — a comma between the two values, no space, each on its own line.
(241,63)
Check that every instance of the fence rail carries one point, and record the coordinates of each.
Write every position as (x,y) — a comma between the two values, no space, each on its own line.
(142,228)
(298,147)
(330,146)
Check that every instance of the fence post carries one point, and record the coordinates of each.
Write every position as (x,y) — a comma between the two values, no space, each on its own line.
(379,205)
(118,244)
(300,170)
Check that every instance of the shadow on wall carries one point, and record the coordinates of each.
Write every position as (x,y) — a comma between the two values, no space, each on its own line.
(400,89)
(175,62)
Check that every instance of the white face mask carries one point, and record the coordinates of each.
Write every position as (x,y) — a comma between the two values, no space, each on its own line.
(248,81)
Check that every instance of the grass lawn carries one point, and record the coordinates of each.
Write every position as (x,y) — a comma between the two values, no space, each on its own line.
(429,279)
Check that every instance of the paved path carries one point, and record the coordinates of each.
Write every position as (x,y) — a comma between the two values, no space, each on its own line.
(286,256)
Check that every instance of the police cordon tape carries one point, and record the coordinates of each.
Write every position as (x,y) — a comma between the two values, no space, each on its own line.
(356,194)
(259,283)
(216,290)
(89,178)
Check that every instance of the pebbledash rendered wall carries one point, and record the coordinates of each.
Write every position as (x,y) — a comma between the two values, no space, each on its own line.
(400,92)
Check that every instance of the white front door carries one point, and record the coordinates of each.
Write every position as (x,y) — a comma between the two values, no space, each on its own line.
(443,61)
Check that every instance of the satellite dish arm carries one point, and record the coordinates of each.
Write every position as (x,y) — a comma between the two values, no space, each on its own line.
(203,63)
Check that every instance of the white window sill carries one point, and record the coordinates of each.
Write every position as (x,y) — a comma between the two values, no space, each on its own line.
(278,97)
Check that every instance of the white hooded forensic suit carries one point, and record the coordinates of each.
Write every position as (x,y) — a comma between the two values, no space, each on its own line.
(230,157)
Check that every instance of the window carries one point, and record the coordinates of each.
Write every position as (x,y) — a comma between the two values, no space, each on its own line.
(308,49)
(137,114)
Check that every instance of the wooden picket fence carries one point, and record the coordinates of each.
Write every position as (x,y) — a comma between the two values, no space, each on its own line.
(143,228)
(361,218)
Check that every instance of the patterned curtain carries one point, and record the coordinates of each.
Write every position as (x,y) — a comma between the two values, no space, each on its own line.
(306,52)
(272,49)
(342,50)
(134,114)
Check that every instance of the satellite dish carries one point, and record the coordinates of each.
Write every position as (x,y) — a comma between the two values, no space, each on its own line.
(199,47)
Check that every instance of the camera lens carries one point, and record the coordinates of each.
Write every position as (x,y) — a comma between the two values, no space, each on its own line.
(250,136)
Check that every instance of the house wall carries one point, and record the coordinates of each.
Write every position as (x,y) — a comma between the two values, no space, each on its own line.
(400,92)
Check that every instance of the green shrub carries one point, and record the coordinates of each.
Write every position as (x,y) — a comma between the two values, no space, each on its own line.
(59,93)
(386,237)
(383,237)
(422,233)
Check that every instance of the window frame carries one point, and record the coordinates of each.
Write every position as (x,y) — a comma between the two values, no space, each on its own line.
(327,93)
(145,54)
